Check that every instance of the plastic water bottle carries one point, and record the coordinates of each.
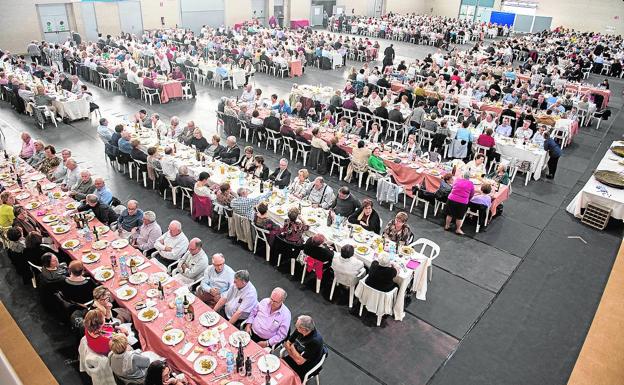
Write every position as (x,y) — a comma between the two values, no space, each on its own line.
(392,250)
(230,362)
(123,268)
(241,179)
(179,307)
(338,221)
(286,194)
(51,199)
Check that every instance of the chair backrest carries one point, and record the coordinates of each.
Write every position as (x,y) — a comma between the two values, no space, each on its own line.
(38,268)
(187,192)
(260,232)
(425,244)
(304,147)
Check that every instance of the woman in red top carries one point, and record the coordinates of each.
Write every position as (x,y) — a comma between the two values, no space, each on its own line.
(98,334)
(487,140)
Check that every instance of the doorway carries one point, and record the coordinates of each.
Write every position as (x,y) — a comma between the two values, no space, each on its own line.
(54,22)
(130,18)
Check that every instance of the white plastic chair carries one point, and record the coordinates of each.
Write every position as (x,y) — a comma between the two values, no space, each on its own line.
(416,200)
(431,254)
(348,281)
(262,235)
(379,302)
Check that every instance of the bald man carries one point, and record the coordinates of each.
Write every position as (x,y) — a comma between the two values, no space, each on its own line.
(103,193)
(171,245)
(72,176)
(131,217)
(192,264)
(217,280)
(84,186)
(269,321)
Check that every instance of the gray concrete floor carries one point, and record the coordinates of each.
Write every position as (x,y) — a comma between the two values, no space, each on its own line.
(509,306)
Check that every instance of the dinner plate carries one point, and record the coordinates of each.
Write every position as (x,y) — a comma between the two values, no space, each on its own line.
(100,245)
(161,277)
(152,293)
(23,195)
(90,258)
(209,318)
(138,260)
(239,337)
(126,292)
(50,218)
(32,205)
(104,274)
(119,243)
(269,363)
(48,186)
(205,365)
(102,229)
(90,216)
(172,337)
(71,206)
(60,229)
(280,212)
(362,250)
(70,244)
(149,314)
(360,238)
(311,221)
(208,337)
(37,177)
(407,251)
(138,278)
(57,195)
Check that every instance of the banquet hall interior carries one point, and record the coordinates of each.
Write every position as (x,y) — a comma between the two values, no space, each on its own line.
(185,192)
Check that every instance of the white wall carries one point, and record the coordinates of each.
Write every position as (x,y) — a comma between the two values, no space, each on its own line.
(153,10)
(585,15)
(406,6)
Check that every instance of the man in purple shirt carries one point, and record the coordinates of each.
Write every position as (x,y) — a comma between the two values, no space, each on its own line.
(240,299)
(28,146)
(150,83)
(269,321)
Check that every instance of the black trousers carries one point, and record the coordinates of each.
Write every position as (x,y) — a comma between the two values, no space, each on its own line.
(552,165)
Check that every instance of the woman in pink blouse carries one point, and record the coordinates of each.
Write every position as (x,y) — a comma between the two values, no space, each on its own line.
(457,202)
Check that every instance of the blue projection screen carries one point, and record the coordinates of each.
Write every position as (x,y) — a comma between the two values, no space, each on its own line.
(502,18)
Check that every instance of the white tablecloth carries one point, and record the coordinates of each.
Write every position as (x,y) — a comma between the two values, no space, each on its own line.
(237,74)
(537,157)
(72,109)
(596,192)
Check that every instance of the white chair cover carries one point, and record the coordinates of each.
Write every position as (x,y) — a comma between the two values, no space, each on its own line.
(376,301)
(95,365)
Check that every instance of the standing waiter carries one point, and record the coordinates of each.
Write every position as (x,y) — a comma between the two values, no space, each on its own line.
(388,56)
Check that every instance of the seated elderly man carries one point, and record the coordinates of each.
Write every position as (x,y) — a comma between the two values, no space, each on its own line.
(28,146)
(72,176)
(103,193)
(281,176)
(269,321)
(83,187)
(131,217)
(144,237)
(39,154)
(192,264)
(232,151)
(319,194)
(218,278)
(504,129)
(345,203)
(103,212)
(104,131)
(171,245)
(239,300)
(183,179)
(305,346)
(58,174)
(244,206)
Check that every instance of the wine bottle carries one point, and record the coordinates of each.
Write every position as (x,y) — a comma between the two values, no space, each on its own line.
(190,313)
(161,290)
(95,233)
(240,360)
(267,378)
(248,367)
(185,304)
(261,186)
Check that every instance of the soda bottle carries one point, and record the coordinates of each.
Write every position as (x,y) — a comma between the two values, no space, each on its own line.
(179,307)
(123,268)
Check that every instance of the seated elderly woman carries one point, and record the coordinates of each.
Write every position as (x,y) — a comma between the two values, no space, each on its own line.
(343,263)
(225,195)
(201,187)
(481,202)
(375,162)
(126,363)
(77,288)
(367,217)
(34,248)
(500,175)
(215,148)
(381,274)
(397,230)
(259,170)
(263,221)
(300,184)
(97,332)
(315,247)
(246,162)
(289,238)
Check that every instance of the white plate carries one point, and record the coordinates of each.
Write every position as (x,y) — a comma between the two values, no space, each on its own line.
(160,276)
(209,361)
(60,229)
(50,218)
(32,205)
(237,336)
(208,337)
(102,229)
(37,177)
(154,315)
(138,260)
(99,245)
(74,243)
(358,250)
(209,318)
(126,292)
(48,186)
(71,206)
(23,195)
(268,362)
(57,195)
(138,278)
(172,337)
(152,293)
(119,243)
(104,274)
(90,258)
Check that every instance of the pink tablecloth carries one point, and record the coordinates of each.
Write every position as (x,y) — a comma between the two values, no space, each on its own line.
(171,89)
(150,332)
(238,26)
(296,68)
(303,23)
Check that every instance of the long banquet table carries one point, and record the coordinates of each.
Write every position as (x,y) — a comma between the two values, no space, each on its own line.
(150,333)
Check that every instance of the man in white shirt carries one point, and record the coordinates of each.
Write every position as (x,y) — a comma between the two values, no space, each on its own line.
(192,264)
(168,164)
(158,125)
(171,245)
(248,95)
(344,264)
(524,132)
(72,176)
(132,76)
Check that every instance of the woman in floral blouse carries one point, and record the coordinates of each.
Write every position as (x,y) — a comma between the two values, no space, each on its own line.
(397,230)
